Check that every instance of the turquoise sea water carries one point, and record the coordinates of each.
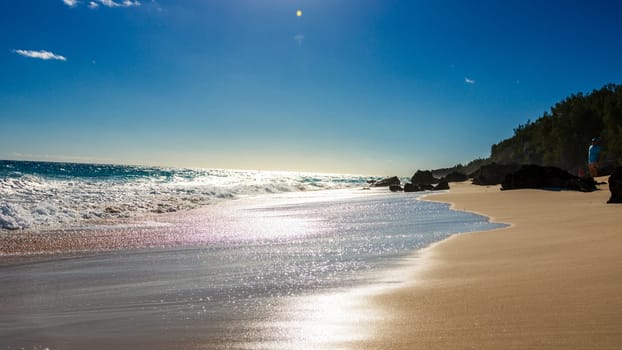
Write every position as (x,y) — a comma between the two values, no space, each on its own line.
(44,195)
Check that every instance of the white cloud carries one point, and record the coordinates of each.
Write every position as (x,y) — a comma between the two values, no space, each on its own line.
(108,3)
(157,5)
(128,3)
(124,3)
(43,55)
(469,81)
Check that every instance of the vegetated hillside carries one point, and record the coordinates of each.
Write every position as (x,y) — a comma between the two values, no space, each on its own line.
(562,136)
(468,169)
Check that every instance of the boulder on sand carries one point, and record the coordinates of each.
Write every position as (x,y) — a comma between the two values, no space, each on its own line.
(395,188)
(615,186)
(411,188)
(443,185)
(493,173)
(424,187)
(455,176)
(535,176)
(423,177)
(394,180)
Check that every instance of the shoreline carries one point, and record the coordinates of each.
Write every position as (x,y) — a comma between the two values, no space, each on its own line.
(286,287)
(146,231)
(549,280)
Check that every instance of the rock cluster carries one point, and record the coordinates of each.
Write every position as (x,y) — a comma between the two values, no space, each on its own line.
(493,173)
(456,176)
(535,176)
(423,180)
(510,176)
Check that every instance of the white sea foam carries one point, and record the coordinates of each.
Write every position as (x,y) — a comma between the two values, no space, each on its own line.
(62,199)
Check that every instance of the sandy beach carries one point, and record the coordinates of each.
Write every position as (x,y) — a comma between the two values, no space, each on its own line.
(551,280)
(266,272)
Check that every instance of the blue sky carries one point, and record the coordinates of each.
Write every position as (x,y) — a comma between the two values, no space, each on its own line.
(369,87)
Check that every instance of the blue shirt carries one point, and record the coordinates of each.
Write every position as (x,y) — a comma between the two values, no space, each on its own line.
(593,153)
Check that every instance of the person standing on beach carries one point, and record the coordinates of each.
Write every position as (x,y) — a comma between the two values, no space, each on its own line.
(593,157)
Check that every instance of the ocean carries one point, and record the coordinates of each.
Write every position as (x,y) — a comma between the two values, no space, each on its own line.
(234,260)
(45,195)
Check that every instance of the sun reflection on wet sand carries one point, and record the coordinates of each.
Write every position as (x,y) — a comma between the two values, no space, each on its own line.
(294,271)
(347,318)
(335,320)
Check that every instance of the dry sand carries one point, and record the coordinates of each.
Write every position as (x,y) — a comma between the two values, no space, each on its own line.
(552,280)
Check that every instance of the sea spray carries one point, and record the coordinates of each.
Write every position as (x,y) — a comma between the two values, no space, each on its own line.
(44,195)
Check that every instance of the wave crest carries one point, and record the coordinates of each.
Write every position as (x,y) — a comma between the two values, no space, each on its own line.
(51,196)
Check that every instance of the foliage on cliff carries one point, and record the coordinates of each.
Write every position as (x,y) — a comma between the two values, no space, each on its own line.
(467,169)
(561,137)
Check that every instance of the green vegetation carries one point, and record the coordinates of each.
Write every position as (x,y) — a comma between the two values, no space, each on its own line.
(471,167)
(561,137)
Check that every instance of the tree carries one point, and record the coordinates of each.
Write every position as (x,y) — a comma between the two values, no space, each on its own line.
(560,137)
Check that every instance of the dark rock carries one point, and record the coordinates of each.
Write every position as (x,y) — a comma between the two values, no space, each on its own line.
(443,185)
(606,168)
(615,186)
(535,176)
(411,188)
(387,182)
(423,178)
(424,187)
(493,173)
(583,184)
(455,177)
(395,188)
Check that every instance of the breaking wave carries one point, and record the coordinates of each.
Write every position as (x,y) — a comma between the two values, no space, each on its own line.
(54,195)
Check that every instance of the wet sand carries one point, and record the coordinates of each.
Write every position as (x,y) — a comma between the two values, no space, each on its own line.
(291,271)
(552,280)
